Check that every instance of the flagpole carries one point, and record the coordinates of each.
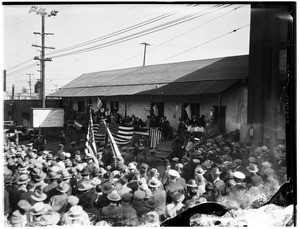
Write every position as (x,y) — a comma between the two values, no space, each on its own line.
(113,142)
(93,138)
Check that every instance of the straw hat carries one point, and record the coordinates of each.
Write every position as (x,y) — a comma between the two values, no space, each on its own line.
(85,185)
(38,208)
(252,168)
(24,205)
(173,173)
(191,183)
(39,196)
(23,179)
(239,175)
(76,211)
(73,200)
(153,182)
(63,187)
(199,170)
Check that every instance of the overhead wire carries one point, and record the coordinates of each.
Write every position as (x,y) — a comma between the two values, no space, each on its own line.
(134,36)
(150,49)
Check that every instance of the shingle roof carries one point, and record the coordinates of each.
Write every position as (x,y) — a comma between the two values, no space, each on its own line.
(191,77)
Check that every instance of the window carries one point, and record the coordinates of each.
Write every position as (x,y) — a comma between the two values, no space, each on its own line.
(81,106)
(157,109)
(190,109)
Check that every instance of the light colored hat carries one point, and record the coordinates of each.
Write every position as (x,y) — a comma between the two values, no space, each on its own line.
(192,183)
(199,170)
(38,208)
(85,185)
(16,218)
(154,182)
(131,166)
(252,168)
(173,173)
(239,175)
(23,179)
(114,196)
(63,187)
(73,200)
(39,195)
(76,211)
(139,195)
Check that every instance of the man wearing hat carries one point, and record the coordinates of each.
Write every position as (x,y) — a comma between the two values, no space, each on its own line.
(159,195)
(76,216)
(176,206)
(110,213)
(165,176)
(138,202)
(22,213)
(59,202)
(220,185)
(103,200)
(129,157)
(53,178)
(66,177)
(30,191)
(174,185)
(152,158)
(91,166)
(256,179)
(15,195)
(39,179)
(128,215)
(87,196)
(85,176)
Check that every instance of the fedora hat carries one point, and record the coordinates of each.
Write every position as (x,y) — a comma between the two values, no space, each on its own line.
(107,188)
(114,196)
(127,197)
(49,156)
(53,175)
(192,183)
(23,179)
(200,170)
(154,182)
(24,205)
(39,196)
(85,185)
(39,208)
(139,195)
(40,176)
(215,171)
(252,160)
(229,164)
(252,168)
(63,187)
(73,200)
(65,174)
(76,211)
(151,203)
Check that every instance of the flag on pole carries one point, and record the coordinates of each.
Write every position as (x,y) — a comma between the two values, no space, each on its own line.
(155,109)
(155,136)
(122,134)
(90,143)
(99,103)
(99,132)
(188,111)
(113,144)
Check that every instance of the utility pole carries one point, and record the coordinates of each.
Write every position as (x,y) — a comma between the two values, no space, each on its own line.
(12,101)
(4,78)
(43,13)
(145,45)
(29,74)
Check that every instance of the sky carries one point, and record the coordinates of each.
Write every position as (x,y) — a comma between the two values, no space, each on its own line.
(109,36)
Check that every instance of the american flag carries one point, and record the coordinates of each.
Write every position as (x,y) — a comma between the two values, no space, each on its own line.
(155,109)
(99,132)
(155,136)
(122,134)
(188,111)
(90,143)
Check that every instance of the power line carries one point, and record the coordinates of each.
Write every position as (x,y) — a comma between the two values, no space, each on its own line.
(141,24)
(134,36)
(179,35)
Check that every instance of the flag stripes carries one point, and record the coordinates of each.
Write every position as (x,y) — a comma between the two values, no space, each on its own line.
(188,111)
(99,132)
(122,134)
(155,136)
(90,143)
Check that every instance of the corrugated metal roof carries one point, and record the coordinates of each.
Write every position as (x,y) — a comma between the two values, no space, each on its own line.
(184,78)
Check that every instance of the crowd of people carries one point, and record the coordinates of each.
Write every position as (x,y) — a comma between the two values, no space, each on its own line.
(68,187)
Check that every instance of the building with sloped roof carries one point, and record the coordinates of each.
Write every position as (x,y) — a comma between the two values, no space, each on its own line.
(202,84)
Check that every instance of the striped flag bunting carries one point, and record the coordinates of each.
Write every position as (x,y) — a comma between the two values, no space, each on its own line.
(90,143)
(100,132)
(155,136)
(155,109)
(188,111)
(121,134)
